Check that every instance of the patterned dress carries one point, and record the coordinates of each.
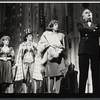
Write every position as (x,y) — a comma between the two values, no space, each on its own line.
(6,66)
(25,60)
(37,74)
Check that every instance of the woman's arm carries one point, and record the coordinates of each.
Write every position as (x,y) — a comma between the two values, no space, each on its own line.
(12,54)
(43,43)
(19,54)
(62,41)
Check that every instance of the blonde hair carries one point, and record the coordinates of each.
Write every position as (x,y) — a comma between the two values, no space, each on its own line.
(5,37)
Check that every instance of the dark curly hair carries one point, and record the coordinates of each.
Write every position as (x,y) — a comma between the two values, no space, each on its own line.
(51,24)
(26,35)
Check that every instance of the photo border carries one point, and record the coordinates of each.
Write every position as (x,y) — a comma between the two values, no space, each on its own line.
(49,96)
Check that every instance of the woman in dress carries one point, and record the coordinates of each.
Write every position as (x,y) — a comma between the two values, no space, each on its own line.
(25,61)
(51,46)
(6,63)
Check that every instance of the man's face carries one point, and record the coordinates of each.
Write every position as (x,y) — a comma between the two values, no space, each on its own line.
(87,15)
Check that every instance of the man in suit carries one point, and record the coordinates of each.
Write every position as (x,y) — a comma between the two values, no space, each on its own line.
(88,50)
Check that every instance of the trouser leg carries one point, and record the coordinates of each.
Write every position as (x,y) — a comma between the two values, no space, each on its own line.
(95,73)
(83,68)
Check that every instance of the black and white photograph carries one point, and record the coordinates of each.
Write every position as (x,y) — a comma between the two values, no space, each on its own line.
(49,48)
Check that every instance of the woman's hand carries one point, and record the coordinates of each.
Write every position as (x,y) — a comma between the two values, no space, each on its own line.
(42,69)
(4,58)
(14,66)
(49,45)
(61,47)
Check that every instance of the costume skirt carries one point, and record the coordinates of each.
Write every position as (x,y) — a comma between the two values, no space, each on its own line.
(6,72)
(54,68)
(37,75)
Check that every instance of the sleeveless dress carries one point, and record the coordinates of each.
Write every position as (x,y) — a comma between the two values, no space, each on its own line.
(6,67)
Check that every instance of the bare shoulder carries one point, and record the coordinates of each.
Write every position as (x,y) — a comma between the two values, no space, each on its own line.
(61,34)
(46,32)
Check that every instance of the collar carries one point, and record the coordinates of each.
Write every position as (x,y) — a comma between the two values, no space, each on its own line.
(89,23)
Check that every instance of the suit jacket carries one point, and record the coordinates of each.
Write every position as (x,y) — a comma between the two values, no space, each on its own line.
(89,38)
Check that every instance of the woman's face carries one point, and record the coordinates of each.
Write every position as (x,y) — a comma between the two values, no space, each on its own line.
(29,37)
(55,26)
(6,42)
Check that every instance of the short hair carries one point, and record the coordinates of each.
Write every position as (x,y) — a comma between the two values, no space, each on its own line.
(84,10)
(5,37)
(51,24)
(26,35)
